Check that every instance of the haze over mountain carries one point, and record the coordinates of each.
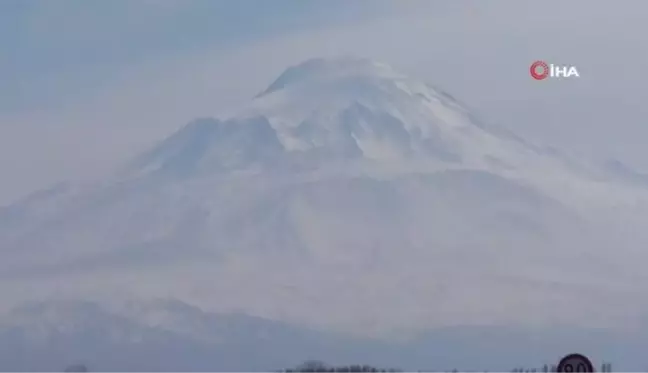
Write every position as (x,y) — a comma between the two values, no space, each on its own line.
(173,336)
(347,197)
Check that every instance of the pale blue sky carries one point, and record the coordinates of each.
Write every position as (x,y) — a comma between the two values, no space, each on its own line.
(49,47)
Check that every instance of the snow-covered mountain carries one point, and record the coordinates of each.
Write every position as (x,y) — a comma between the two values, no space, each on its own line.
(346,196)
(338,111)
(323,111)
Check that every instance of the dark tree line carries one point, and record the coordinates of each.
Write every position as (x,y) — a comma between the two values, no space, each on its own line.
(320,367)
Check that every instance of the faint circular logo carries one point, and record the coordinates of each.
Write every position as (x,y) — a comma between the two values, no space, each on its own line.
(539,70)
(575,363)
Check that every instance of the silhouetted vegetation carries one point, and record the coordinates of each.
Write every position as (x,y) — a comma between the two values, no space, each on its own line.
(320,367)
(315,366)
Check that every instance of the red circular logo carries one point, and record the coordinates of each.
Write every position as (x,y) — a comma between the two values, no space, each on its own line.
(539,70)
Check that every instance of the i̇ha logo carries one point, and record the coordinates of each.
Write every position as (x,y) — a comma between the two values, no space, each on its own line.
(541,70)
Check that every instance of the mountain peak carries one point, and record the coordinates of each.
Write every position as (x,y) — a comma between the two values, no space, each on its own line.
(330,69)
(327,110)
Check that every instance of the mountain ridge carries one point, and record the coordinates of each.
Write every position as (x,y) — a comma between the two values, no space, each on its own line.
(108,341)
(341,110)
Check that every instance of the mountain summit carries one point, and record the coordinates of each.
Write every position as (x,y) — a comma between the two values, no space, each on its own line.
(322,70)
(333,110)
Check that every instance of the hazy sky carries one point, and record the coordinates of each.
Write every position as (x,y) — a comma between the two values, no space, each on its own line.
(86,84)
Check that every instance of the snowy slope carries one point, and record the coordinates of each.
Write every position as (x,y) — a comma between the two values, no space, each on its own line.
(339,110)
(345,182)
